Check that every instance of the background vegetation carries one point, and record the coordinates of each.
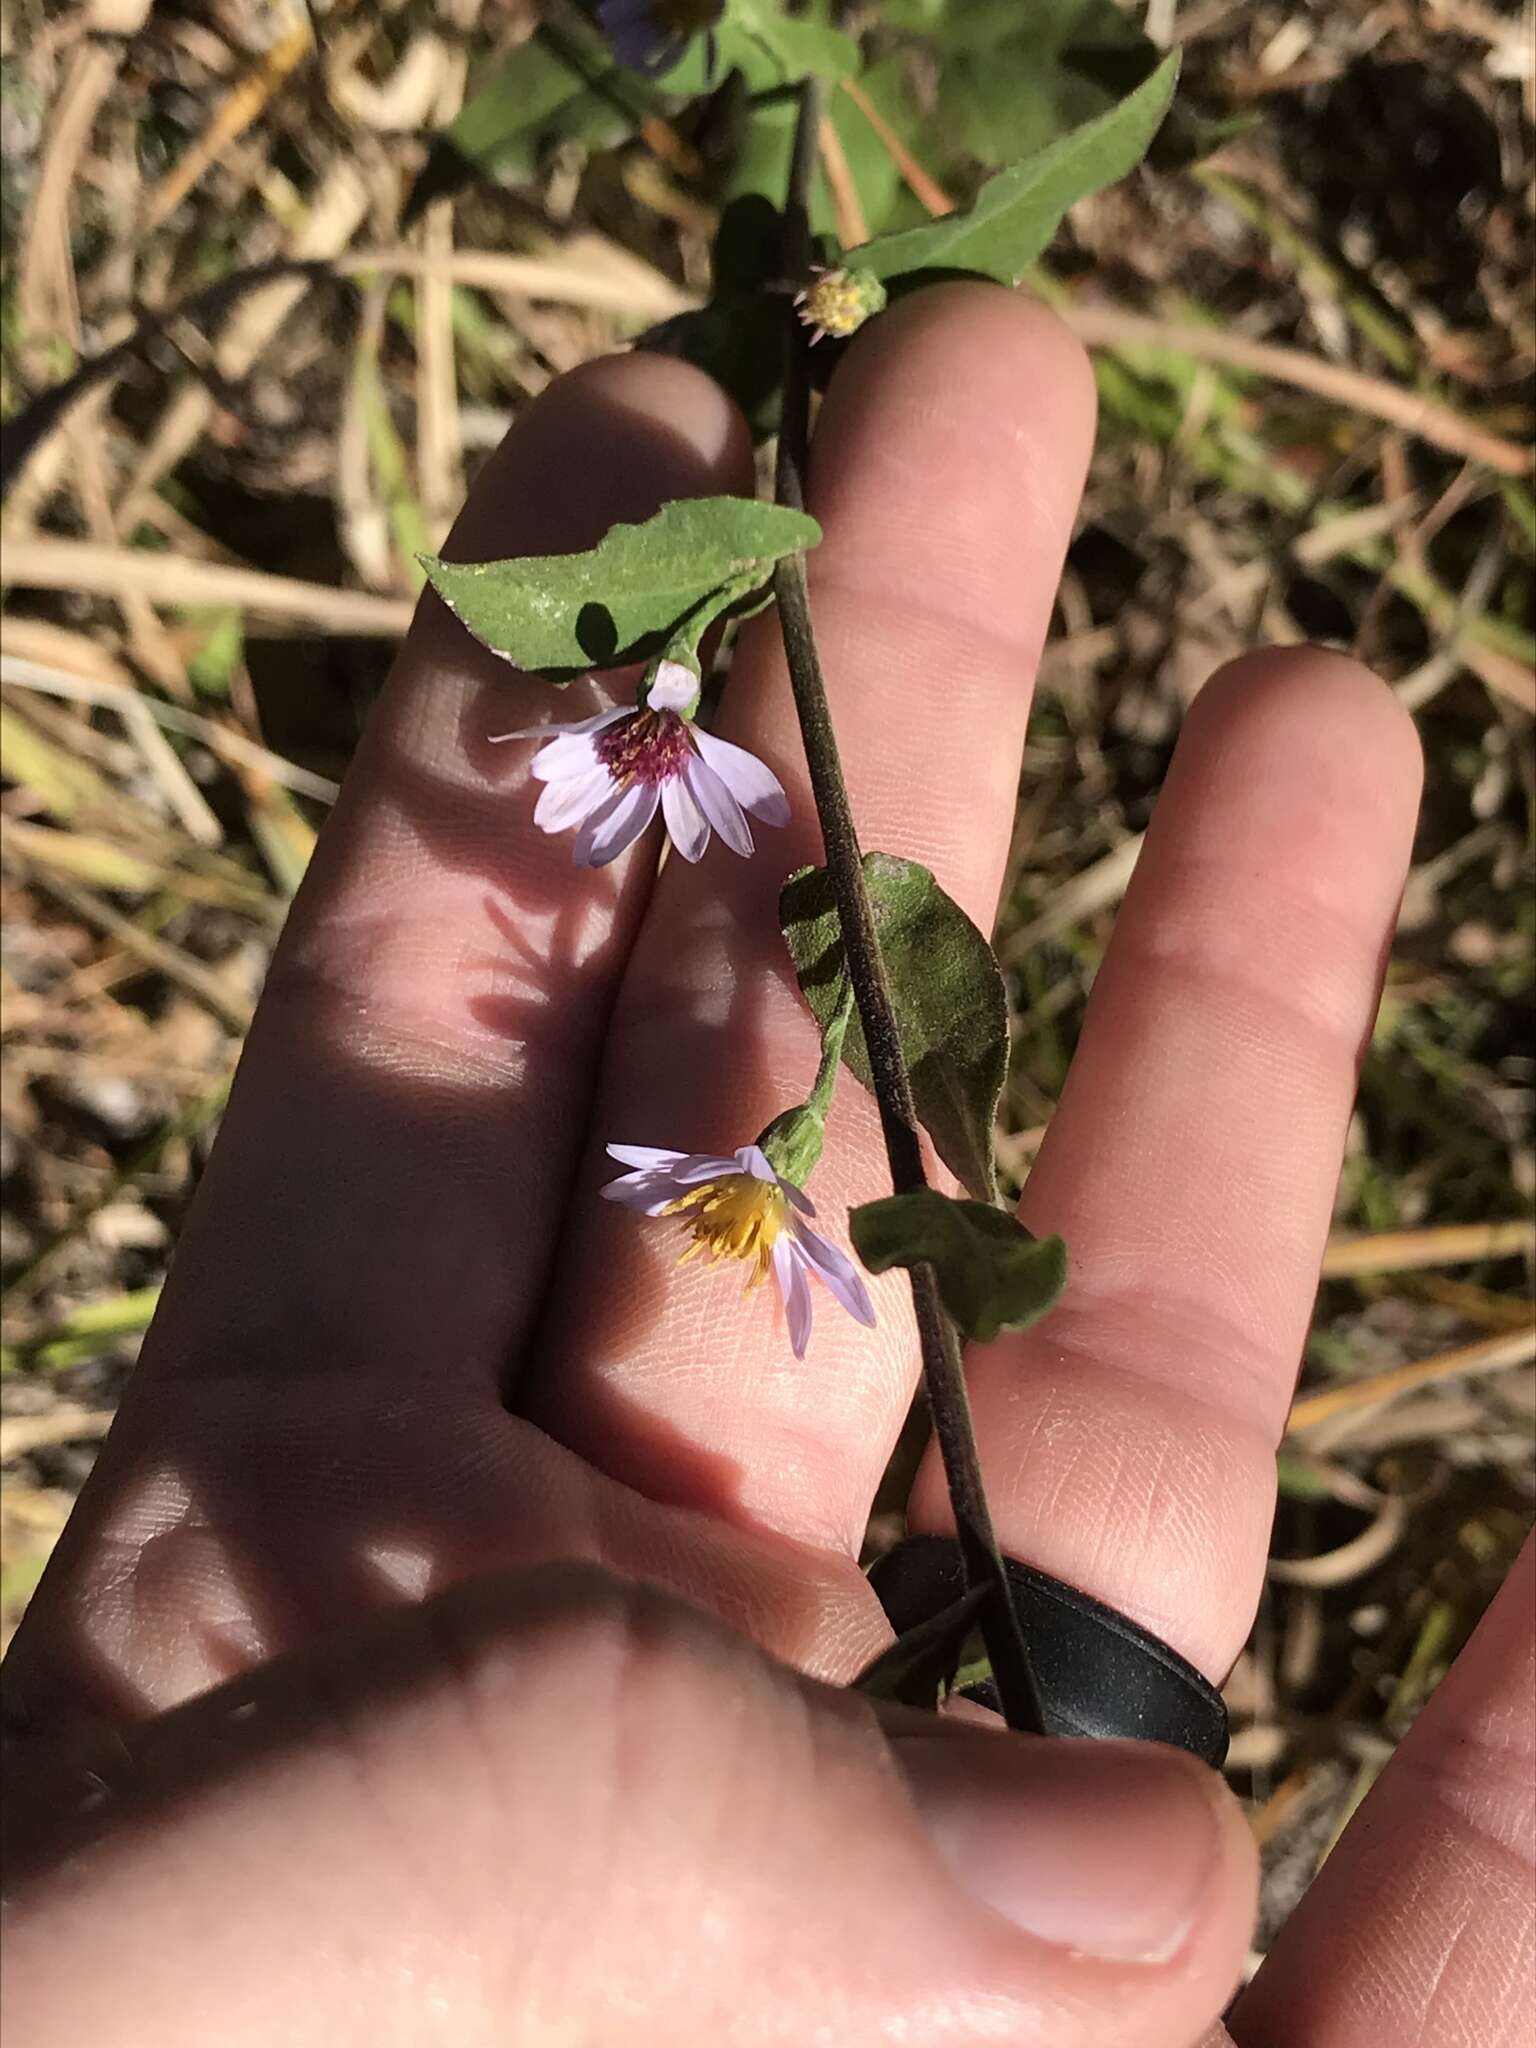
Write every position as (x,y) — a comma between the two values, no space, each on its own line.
(1312,320)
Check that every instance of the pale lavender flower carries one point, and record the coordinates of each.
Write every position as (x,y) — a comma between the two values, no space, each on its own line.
(605,777)
(739,1208)
(650,35)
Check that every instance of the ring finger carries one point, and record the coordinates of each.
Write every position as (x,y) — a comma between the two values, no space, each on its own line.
(1128,1443)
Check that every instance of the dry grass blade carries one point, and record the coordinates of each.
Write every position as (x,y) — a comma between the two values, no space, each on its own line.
(1491,1354)
(330,220)
(1350,1561)
(1095,889)
(569,279)
(926,190)
(45,286)
(1450,1244)
(440,451)
(1109,327)
(230,1009)
(67,1423)
(48,564)
(224,740)
(852,227)
(189,1122)
(1288,1799)
(186,801)
(231,118)
(140,865)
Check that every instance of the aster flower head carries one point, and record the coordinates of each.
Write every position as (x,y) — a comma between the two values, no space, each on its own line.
(739,1208)
(838,302)
(650,35)
(605,777)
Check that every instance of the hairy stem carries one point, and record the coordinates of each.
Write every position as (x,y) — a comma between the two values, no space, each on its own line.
(943,1374)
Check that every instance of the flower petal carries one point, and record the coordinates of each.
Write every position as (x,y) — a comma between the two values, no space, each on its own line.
(571,754)
(699,1166)
(754,1160)
(686,1168)
(753,784)
(651,1157)
(795,1292)
(660,1177)
(617,825)
(686,823)
(555,730)
(572,802)
(718,805)
(836,1269)
(675,687)
(650,1193)
(635,35)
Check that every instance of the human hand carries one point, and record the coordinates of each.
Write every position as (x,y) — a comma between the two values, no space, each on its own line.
(622,1799)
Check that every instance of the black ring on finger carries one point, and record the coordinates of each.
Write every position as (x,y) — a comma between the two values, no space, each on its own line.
(1098,1673)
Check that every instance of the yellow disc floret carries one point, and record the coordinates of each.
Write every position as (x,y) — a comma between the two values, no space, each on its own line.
(838,302)
(735,1217)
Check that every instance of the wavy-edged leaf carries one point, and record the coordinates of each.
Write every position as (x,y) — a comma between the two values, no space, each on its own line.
(1017,212)
(947,991)
(623,600)
(993,1275)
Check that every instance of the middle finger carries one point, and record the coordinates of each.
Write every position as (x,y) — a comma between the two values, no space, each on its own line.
(947,465)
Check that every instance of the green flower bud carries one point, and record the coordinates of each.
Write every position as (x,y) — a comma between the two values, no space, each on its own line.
(792,1143)
(838,302)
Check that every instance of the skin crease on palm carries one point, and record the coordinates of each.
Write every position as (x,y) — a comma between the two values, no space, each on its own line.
(447,1648)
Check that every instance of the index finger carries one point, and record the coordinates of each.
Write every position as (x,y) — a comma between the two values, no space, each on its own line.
(371,1233)
(387,1184)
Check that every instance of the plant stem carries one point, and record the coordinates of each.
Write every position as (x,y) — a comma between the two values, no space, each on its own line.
(943,1372)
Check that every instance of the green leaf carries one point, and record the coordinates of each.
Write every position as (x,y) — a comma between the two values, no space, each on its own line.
(919,1668)
(1011,80)
(951,1008)
(800,48)
(212,663)
(889,88)
(87,1334)
(61,779)
(1297,1480)
(738,339)
(992,1274)
(623,600)
(1017,213)
(554,83)
(709,60)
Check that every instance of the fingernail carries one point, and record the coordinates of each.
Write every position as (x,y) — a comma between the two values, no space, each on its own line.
(1109,1848)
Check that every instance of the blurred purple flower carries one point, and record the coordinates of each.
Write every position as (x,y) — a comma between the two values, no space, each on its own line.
(650,35)
(604,777)
(739,1208)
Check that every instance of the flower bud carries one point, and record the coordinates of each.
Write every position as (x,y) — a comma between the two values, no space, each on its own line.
(838,302)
